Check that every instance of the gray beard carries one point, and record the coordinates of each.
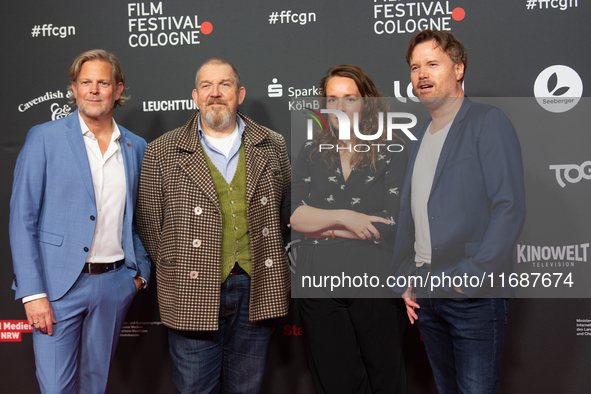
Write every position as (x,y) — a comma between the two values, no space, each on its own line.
(217,123)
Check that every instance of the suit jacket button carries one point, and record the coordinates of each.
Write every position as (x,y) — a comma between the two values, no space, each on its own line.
(265,232)
(268,263)
(198,210)
(92,217)
(196,243)
(86,249)
(264,200)
(193,275)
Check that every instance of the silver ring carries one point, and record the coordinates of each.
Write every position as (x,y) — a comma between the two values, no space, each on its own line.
(35,322)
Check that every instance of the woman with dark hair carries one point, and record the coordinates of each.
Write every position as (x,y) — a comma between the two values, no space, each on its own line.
(345,201)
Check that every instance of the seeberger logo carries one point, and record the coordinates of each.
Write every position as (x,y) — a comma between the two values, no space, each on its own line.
(583,172)
(10,330)
(558,88)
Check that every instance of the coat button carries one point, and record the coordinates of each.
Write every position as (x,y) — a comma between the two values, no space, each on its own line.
(231,201)
(269,263)
(265,232)
(196,243)
(231,189)
(193,274)
(264,200)
(92,217)
(86,249)
(198,210)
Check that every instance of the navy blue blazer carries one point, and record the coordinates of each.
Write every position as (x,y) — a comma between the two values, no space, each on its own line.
(53,208)
(477,203)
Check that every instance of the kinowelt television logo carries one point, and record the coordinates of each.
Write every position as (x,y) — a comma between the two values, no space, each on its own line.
(344,132)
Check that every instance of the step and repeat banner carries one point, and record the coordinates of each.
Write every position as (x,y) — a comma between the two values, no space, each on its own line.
(528,57)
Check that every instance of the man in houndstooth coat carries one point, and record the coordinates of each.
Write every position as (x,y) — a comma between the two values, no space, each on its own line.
(208,212)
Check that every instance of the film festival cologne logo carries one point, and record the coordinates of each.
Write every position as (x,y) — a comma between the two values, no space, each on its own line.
(149,26)
(398,17)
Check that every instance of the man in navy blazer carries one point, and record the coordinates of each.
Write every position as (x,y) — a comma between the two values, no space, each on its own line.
(462,209)
(78,260)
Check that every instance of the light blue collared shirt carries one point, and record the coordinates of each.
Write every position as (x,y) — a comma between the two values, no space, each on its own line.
(225,165)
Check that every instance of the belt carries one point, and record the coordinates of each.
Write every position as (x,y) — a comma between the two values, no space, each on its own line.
(237,270)
(101,268)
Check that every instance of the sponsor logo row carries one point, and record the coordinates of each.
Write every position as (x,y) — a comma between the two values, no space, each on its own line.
(557,89)
(149,26)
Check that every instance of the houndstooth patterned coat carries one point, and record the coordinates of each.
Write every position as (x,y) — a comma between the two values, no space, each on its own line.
(179,221)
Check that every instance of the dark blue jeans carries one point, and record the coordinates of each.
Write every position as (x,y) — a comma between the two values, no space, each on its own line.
(233,356)
(464,339)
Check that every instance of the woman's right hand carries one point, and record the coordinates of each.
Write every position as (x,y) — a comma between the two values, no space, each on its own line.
(361,224)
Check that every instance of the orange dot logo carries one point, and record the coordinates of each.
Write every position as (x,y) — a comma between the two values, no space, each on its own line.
(207,28)
(458,14)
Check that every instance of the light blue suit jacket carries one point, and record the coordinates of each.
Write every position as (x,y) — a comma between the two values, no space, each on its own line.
(477,203)
(53,208)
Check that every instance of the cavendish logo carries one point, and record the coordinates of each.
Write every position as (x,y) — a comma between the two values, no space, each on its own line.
(583,172)
(319,120)
(57,112)
(558,88)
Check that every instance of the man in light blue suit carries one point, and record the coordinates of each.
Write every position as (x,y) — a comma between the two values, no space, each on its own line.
(462,209)
(78,260)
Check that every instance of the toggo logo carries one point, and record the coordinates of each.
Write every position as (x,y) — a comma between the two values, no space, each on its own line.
(583,172)
(345,129)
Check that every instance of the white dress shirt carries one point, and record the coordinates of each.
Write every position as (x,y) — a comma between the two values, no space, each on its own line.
(108,178)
